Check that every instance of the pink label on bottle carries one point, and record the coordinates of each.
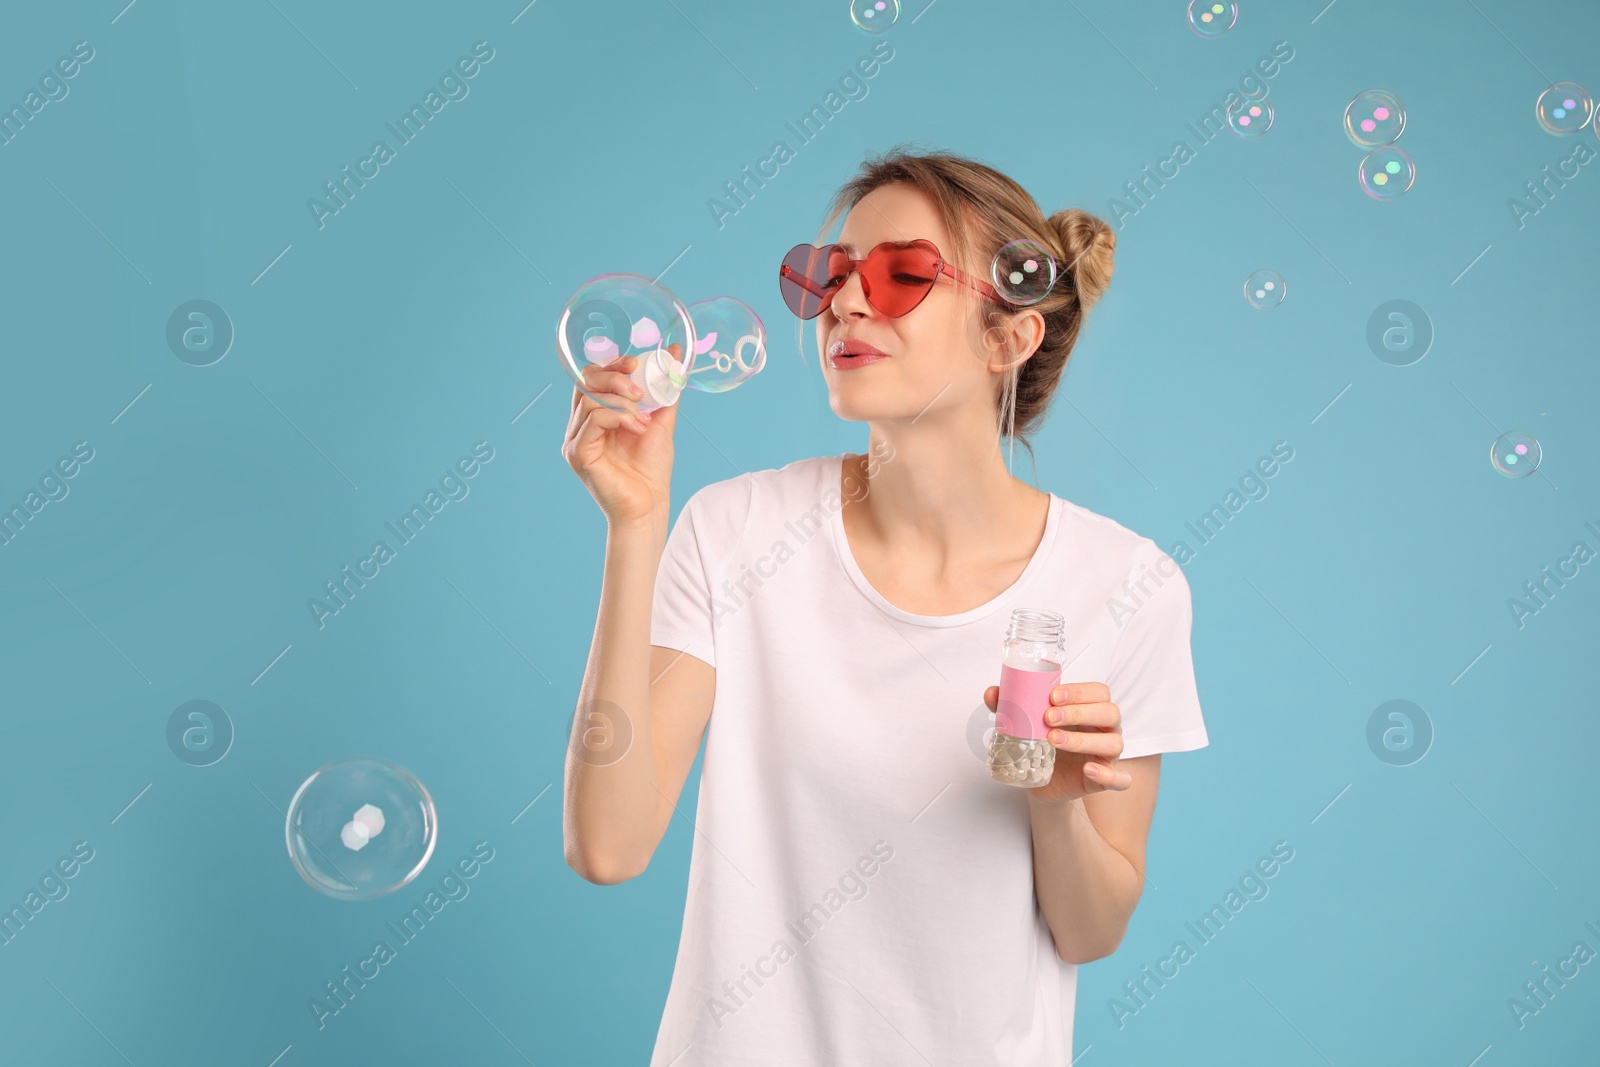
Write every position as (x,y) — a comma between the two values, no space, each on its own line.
(1024,698)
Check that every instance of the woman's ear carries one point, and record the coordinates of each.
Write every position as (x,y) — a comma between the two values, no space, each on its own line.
(1013,340)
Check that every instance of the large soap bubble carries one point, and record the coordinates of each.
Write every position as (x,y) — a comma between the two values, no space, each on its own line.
(360,828)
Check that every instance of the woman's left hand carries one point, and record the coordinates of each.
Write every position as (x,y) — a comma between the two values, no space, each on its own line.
(1086,729)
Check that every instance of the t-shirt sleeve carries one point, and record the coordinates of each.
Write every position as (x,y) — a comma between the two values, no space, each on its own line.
(680,614)
(701,540)
(1151,679)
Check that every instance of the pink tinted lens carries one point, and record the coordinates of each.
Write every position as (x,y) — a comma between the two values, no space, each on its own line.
(803,279)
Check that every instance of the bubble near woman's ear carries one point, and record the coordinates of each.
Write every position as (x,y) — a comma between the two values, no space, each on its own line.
(1023,272)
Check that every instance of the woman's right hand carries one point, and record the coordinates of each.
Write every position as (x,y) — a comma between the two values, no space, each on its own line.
(623,457)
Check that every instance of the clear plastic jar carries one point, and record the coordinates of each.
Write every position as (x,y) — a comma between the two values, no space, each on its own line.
(1020,752)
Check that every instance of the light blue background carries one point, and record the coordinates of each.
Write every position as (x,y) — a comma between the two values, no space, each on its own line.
(420,320)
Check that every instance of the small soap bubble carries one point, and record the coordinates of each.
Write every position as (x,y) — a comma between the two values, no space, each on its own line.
(360,828)
(1023,272)
(1250,117)
(1207,18)
(732,345)
(1564,108)
(1375,117)
(874,16)
(1264,290)
(1387,173)
(1516,454)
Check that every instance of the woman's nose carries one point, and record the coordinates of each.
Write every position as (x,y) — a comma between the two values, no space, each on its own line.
(851,299)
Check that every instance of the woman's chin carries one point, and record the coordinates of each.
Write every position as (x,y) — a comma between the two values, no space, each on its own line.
(854,403)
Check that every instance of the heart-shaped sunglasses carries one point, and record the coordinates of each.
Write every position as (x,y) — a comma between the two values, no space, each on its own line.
(895,277)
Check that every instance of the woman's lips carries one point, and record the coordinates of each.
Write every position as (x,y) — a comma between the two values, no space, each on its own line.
(859,355)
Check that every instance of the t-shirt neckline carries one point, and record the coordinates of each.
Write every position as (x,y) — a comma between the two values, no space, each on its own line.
(832,472)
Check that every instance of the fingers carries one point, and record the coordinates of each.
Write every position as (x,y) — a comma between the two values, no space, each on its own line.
(613,378)
(599,421)
(1090,728)
(610,382)
(1086,742)
(1080,693)
(1104,777)
(1102,716)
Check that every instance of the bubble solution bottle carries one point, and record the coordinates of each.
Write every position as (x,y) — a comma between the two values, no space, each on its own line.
(1020,752)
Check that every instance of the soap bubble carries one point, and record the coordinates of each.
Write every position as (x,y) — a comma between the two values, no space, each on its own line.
(1023,272)
(1564,108)
(1387,173)
(874,16)
(1516,454)
(1250,117)
(617,315)
(360,828)
(1207,18)
(1264,290)
(1375,117)
(730,344)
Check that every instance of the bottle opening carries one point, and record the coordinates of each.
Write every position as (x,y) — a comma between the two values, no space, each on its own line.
(1045,626)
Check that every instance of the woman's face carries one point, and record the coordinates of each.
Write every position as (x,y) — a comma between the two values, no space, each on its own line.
(937,358)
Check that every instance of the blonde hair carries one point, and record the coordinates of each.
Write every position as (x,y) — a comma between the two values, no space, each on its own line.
(983,209)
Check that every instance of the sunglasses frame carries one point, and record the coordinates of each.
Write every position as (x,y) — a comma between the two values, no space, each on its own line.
(825,296)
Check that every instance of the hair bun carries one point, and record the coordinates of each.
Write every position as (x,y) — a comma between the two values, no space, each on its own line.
(1089,243)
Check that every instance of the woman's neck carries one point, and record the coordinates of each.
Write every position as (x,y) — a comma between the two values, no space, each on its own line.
(941,497)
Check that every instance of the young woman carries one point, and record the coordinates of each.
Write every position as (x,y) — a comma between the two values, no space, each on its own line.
(861,890)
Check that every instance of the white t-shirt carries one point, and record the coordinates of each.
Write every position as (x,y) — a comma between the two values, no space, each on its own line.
(860,889)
